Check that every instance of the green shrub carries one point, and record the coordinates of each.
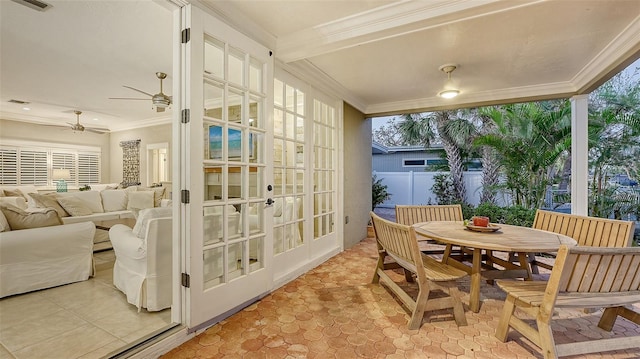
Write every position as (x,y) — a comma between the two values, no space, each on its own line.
(519,216)
(379,192)
(495,213)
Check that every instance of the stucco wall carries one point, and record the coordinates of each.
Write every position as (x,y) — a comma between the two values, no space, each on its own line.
(24,131)
(357,175)
(147,135)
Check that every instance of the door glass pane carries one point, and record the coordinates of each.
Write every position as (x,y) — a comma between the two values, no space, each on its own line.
(213,95)
(255,112)
(234,107)
(290,154)
(290,125)
(212,224)
(289,98)
(278,239)
(256,141)
(278,152)
(236,176)
(256,218)
(236,67)
(213,270)
(234,144)
(213,183)
(255,75)
(256,184)
(213,57)
(256,253)
(278,181)
(236,260)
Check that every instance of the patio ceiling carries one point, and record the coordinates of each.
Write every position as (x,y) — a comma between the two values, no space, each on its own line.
(380,56)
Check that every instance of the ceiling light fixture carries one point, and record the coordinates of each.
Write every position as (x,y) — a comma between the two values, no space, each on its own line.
(449,91)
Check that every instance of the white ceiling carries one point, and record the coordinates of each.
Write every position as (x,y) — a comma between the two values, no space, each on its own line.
(383,56)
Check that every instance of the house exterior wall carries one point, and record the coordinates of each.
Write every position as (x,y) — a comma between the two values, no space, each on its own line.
(25,131)
(357,175)
(147,135)
(393,162)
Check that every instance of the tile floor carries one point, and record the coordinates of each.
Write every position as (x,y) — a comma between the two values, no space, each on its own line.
(334,311)
(87,319)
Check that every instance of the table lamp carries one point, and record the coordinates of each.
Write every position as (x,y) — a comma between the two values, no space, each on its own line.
(60,175)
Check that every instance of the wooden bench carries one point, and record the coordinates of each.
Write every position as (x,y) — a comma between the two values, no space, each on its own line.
(583,277)
(410,215)
(587,231)
(399,242)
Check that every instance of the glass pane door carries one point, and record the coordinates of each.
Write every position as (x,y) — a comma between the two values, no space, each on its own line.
(226,142)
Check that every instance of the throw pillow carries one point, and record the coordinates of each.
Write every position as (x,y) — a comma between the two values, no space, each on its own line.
(49,200)
(140,229)
(140,200)
(13,193)
(114,200)
(19,219)
(74,206)
(4,225)
(90,199)
(158,193)
(19,202)
(2,193)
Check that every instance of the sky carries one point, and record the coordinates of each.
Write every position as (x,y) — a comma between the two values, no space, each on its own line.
(377,122)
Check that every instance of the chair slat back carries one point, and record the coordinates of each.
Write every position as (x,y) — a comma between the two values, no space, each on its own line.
(397,240)
(596,270)
(410,215)
(587,231)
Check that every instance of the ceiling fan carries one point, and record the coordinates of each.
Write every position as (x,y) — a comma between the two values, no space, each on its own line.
(78,127)
(160,100)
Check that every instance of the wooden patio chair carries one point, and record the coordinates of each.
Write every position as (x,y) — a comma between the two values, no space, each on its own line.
(410,215)
(399,242)
(587,231)
(582,276)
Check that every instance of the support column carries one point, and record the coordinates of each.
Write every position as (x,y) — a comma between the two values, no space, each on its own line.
(579,155)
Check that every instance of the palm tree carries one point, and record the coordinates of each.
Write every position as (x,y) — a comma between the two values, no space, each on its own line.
(530,140)
(425,129)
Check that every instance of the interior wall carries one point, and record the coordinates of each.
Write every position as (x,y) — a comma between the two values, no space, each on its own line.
(147,135)
(16,130)
(357,175)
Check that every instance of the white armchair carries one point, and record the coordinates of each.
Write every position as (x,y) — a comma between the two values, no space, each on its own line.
(143,265)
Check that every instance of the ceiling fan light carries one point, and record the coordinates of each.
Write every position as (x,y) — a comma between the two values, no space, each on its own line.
(448,93)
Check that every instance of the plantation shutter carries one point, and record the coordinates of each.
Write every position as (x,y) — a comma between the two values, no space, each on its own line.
(33,167)
(8,166)
(65,160)
(88,168)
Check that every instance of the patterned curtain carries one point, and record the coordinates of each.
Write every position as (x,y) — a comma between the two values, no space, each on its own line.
(130,163)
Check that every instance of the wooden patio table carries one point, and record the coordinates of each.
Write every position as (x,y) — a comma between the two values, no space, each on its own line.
(521,240)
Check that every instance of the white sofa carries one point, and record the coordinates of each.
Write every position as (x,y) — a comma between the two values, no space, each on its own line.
(39,258)
(103,202)
(143,264)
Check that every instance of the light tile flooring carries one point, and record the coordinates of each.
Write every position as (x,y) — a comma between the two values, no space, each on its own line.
(334,311)
(88,319)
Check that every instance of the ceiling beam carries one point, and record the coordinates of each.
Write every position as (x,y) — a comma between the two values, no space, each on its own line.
(384,22)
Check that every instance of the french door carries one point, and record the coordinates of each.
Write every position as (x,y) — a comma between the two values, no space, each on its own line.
(226,78)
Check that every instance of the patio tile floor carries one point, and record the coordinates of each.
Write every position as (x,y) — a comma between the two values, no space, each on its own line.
(333,311)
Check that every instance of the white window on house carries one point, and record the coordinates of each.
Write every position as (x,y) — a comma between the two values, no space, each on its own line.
(32,163)
(414,162)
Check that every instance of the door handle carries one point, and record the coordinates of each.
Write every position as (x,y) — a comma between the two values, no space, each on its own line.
(269,202)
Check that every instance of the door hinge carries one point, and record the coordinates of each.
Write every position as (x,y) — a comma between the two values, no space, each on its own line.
(186,35)
(186,280)
(186,116)
(184,196)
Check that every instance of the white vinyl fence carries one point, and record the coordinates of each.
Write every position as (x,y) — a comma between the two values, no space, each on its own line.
(415,187)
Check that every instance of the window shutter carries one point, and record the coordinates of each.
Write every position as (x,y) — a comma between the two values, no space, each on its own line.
(8,166)
(65,160)
(88,168)
(33,167)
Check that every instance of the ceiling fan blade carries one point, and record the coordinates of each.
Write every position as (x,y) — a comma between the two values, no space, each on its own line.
(135,89)
(127,98)
(100,131)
